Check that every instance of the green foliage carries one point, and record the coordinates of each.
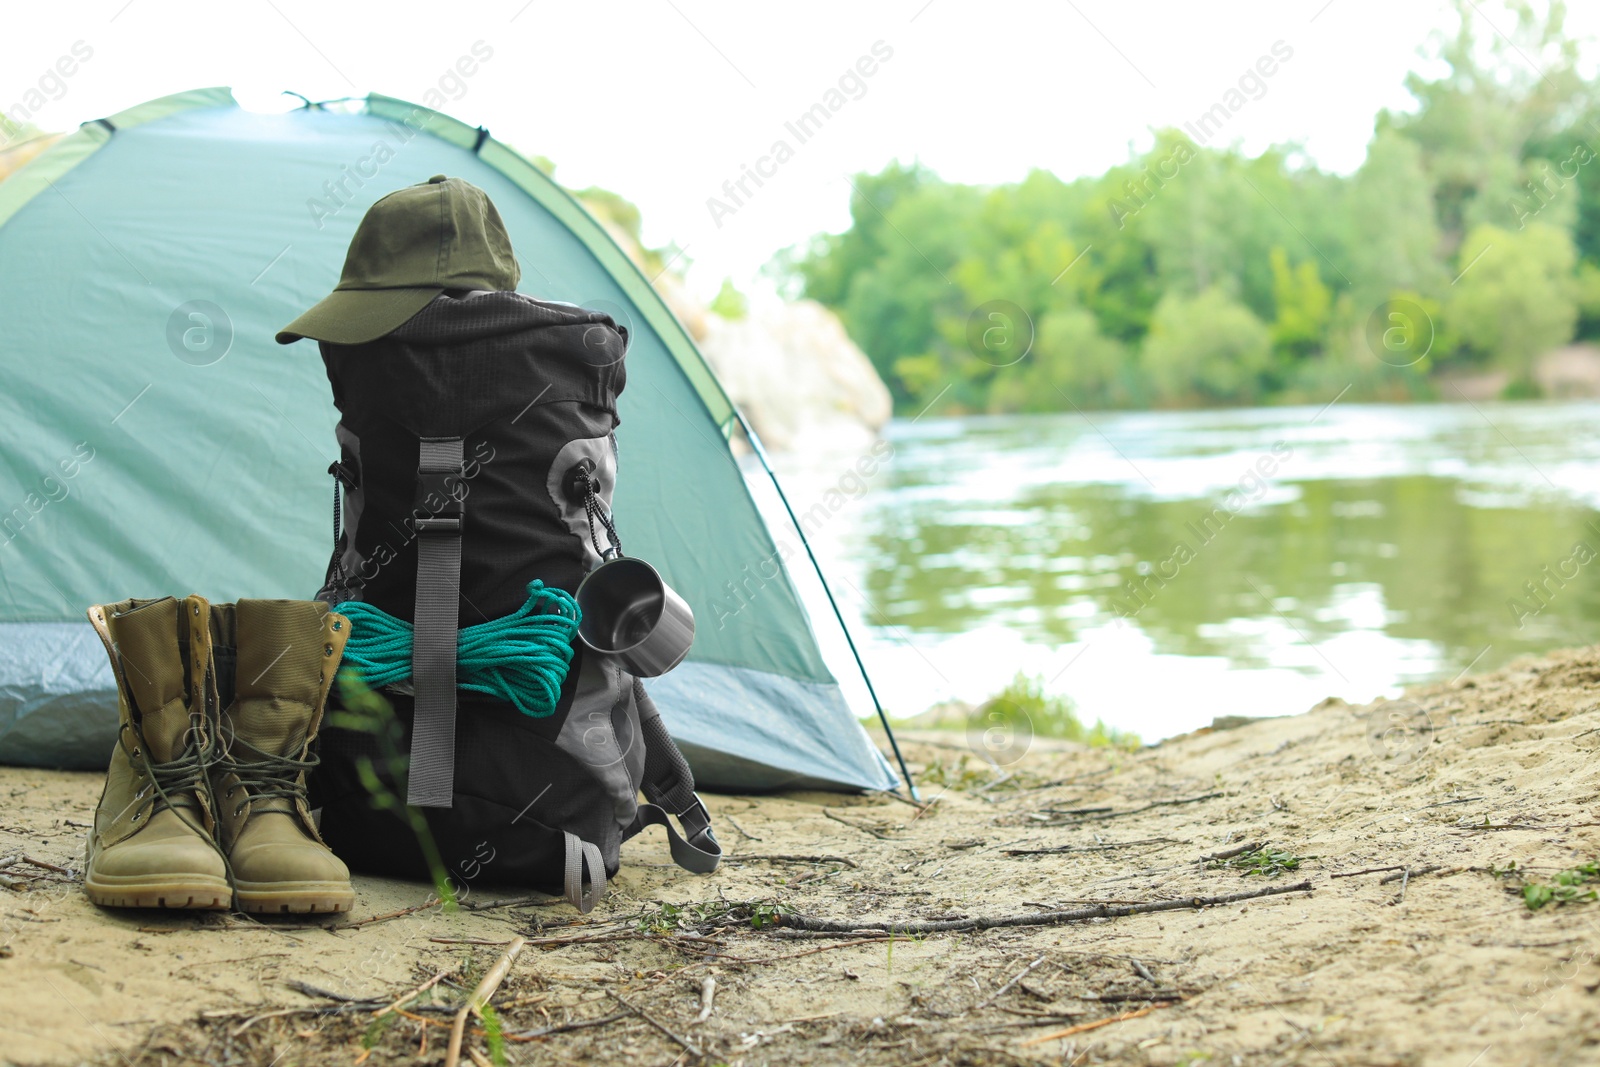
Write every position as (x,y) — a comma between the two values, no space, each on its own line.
(494,1036)
(1517,297)
(1206,348)
(1266,860)
(729,302)
(1304,305)
(1024,705)
(376,1029)
(1567,887)
(1587,288)
(1203,275)
(1071,363)
(365,711)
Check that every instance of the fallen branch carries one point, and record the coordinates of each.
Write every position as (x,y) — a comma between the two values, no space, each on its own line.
(793,859)
(1100,817)
(480,997)
(708,992)
(513,902)
(746,834)
(919,805)
(48,866)
(651,1020)
(432,902)
(857,826)
(1042,918)
(1408,873)
(417,992)
(1172,995)
(1369,870)
(1081,1027)
(1020,975)
(534,1035)
(1229,853)
(1088,848)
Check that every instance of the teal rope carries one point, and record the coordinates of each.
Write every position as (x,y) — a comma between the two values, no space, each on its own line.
(521,658)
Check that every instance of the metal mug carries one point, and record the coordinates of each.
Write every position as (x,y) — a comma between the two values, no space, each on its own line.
(634,617)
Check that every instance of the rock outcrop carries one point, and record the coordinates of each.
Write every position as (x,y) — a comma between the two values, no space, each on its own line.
(789,365)
(796,374)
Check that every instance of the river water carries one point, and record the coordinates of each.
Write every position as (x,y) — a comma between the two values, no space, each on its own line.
(1163,568)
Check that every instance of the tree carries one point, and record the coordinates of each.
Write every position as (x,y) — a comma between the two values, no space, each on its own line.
(1071,363)
(1475,123)
(1207,347)
(1394,238)
(1303,305)
(1516,298)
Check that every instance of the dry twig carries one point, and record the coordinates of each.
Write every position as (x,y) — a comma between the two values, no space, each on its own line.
(479,998)
(1041,918)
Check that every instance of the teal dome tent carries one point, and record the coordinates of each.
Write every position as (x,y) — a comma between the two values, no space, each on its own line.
(154,439)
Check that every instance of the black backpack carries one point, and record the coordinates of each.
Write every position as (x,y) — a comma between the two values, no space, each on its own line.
(462,433)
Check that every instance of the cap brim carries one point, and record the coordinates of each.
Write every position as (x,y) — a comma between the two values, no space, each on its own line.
(356,316)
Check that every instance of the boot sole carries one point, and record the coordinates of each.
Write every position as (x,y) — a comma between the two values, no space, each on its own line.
(295,898)
(193,893)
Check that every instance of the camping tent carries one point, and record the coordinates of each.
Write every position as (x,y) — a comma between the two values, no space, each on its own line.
(154,439)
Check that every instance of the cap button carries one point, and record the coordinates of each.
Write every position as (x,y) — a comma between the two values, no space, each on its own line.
(437,178)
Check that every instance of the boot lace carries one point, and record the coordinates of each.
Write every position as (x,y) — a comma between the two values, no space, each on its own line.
(268,775)
(184,774)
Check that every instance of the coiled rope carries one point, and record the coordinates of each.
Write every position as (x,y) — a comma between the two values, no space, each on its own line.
(521,658)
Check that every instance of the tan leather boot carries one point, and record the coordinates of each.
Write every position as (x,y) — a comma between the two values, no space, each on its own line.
(287,652)
(151,845)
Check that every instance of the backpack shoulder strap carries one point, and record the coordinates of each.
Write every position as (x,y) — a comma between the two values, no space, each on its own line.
(438,514)
(669,788)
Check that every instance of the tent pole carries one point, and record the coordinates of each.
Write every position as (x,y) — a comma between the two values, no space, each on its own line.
(761,454)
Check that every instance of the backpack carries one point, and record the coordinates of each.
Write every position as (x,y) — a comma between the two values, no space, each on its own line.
(461,434)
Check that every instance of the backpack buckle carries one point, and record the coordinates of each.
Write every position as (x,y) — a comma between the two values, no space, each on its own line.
(437,506)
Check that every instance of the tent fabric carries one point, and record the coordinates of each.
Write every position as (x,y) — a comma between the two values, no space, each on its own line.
(156,440)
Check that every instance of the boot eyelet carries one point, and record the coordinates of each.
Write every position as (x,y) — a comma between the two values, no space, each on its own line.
(196,609)
(237,810)
(337,625)
(327,650)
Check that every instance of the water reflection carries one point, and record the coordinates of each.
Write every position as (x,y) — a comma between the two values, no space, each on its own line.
(1165,567)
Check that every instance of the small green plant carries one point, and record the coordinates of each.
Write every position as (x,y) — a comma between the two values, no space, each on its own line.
(376,1029)
(368,712)
(1024,704)
(1567,887)
(493,1036)
(1265,860)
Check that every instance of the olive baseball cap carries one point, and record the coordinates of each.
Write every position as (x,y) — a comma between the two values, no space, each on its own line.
(412,245)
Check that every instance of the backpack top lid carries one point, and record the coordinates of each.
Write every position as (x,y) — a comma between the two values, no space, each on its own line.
(412,245)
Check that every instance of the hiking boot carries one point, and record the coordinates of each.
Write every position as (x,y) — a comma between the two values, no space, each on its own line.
(151,845)
(286,655)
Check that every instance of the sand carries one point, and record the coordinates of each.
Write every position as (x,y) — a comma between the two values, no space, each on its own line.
(1446,965)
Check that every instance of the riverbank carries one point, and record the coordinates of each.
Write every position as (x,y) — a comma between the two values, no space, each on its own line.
(1409,944)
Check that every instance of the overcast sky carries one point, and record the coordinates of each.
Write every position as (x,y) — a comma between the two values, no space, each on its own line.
(665,100)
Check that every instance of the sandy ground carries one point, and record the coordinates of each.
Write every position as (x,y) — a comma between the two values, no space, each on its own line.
(1442,965)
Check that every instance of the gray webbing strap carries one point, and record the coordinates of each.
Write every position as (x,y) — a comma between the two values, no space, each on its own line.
(697,858)
(669,787)
(433,650)
(584,859)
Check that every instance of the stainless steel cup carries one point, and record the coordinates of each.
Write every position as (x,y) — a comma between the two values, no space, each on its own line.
(631,615)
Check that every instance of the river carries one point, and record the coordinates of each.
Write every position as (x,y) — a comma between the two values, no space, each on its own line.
(1163,568)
